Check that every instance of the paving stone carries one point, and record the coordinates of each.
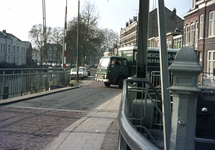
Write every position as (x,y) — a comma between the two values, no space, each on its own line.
(22,128)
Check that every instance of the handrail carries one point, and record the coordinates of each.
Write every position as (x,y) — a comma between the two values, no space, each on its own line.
(132,137)
(20,81)
(19,69)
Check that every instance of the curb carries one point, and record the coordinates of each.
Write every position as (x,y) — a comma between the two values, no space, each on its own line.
(35,95)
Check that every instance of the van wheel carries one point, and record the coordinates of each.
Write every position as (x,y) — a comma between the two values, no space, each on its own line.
(107,84)
(121,82)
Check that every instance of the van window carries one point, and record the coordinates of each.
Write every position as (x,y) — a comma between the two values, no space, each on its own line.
(124,62)
(104,62)
(116,62)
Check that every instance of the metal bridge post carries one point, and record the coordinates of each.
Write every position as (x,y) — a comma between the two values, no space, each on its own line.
(185,71)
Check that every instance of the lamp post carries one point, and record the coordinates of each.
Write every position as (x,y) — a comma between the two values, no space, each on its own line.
(77,42)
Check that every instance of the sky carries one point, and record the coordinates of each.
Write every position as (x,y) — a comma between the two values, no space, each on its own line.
(18,16)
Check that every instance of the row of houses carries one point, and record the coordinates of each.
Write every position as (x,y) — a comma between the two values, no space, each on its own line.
(15,51)
(197,31)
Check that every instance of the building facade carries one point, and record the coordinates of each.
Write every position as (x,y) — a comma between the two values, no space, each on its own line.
(36,56)
(13,50)
(174,25)
(54,53)
(199,32)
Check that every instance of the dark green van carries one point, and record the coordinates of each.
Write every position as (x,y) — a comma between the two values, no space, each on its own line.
(112,70)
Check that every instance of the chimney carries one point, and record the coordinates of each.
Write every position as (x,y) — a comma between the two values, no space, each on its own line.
(4,31)
(174,11)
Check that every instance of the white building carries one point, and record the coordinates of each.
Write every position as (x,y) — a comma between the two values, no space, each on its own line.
(12,49)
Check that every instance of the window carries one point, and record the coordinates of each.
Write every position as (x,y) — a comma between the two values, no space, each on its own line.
(211,23)
(8,59)
(104,62)
(8,48)
(187,34)
(1,48)
(124,62)
(201,26)
(211,63)
(178,43)
(192,32)
(196,36)
(49,56)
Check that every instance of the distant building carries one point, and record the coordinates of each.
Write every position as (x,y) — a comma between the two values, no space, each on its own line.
(36,56)
(199,32)
(173,39)
(174,26)
(54,53)
(13,50)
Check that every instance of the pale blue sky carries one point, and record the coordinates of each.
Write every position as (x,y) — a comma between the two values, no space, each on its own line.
(18,16)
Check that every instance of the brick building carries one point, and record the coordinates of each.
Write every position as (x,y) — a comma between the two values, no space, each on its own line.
(199,32)
(174,25)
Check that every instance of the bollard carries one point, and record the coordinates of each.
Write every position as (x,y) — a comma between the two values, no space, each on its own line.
(185,71)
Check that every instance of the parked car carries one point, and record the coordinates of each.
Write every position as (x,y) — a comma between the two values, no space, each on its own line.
(82,72)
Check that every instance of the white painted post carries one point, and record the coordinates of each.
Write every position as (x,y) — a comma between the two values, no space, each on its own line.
(185,71)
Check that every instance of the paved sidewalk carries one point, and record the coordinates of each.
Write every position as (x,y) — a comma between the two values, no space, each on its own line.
(88,132)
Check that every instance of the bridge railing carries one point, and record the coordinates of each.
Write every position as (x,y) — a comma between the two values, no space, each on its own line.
(138,125)
(20,81)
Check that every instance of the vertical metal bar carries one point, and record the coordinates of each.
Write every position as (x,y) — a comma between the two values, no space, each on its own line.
(164,73)
(142,38)
(3,85)
(36,81)
(77,42)
(22,83)
(13,83)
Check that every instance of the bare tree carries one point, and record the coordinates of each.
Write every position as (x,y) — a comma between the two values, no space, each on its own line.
(37,39)
(110,37)
(89,33)
(57,35)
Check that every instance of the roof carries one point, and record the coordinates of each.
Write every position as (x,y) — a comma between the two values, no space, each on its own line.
(4,34)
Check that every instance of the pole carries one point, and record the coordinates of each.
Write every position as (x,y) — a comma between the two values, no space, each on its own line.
(142,38)
(64,44)
(164,74)
(44,32)
(77,42)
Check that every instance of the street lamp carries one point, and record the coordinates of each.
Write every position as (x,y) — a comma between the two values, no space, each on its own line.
(77,42)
